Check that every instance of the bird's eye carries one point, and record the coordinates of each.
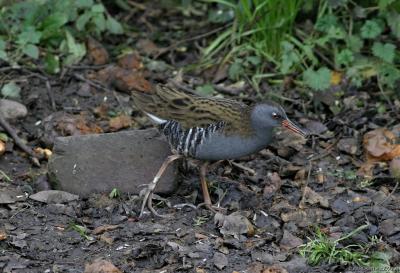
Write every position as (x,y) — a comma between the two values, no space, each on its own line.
(275,115)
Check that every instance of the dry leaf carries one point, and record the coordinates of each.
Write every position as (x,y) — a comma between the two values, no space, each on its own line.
(101,266)
(127,80)
(336,77)
(120,122)
(46,153)
(2,147)
(97,53)
(3,235)
(395,167)
(130,61)
(379,145)
(104,228)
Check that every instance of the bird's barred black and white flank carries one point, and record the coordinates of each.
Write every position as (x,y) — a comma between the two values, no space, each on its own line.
(186,142)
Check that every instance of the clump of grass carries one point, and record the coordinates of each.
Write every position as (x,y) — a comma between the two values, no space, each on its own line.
(323,249)
(115,193)
(81,230)
(259,26)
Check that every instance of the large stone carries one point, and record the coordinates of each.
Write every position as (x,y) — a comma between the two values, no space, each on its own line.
(12,109)
(99,163)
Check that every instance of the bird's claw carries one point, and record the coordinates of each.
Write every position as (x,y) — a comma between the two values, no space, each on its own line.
(147,194)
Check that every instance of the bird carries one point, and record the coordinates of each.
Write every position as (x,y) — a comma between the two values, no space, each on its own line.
(207,129)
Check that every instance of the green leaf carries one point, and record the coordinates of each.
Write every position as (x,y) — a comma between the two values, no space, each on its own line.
(83,20)
(2,44)
(84,3)
(51,26)
(30,35)
(371,29)
(254,60)
(235,70)
(51,63)
(385,52)
(393,20)
(98,8)
(11,90)
(205,90)
(289,57)
(220,15)
(3,137)
(317,80)
(344,57)
(324,23)
(355,43)
(337,33)
(76,50)
(114,26)
(3,53)
(388,74)
(31,50)
(100,22)
(383,4)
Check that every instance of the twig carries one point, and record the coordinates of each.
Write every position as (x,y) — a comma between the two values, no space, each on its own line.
(51,97)
(162,51)
(85,67)
(242,167)
(90,82)
(303,194)
(390,194)
(18,141)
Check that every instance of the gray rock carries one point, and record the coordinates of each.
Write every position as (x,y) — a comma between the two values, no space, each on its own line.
(9,196)
(54,197)
(389,227)
(220,260)
(12,109)
(98,163)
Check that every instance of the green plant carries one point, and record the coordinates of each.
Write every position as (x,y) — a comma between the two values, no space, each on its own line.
(114,193)
(200,220)
(323,249)
(81,230)
(348,41)
(51,28)
(256,33)
(4,176)
(350,38)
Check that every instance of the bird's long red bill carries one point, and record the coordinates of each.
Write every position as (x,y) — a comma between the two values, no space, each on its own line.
(293,127)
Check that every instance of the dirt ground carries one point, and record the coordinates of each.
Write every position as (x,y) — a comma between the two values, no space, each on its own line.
(275,199)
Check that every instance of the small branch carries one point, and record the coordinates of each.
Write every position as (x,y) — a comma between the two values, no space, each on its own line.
(162,51)
(51,97)
(18,141)
(90,82)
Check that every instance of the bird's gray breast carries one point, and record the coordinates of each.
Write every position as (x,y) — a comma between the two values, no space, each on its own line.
(219,146)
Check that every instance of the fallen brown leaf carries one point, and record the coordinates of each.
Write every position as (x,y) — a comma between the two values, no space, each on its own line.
(101,266)
(130,61)
(127,80)
(147,47)
(395,167)
(379,145)
(2,147)
(97,53)
(46,153)
(104,228)
(3,235)
(120,122)
(336,77)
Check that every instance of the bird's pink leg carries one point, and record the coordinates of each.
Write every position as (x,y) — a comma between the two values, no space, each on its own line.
(148,192)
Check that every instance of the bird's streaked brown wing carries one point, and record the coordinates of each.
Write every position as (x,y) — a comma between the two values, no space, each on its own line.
(194,111)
